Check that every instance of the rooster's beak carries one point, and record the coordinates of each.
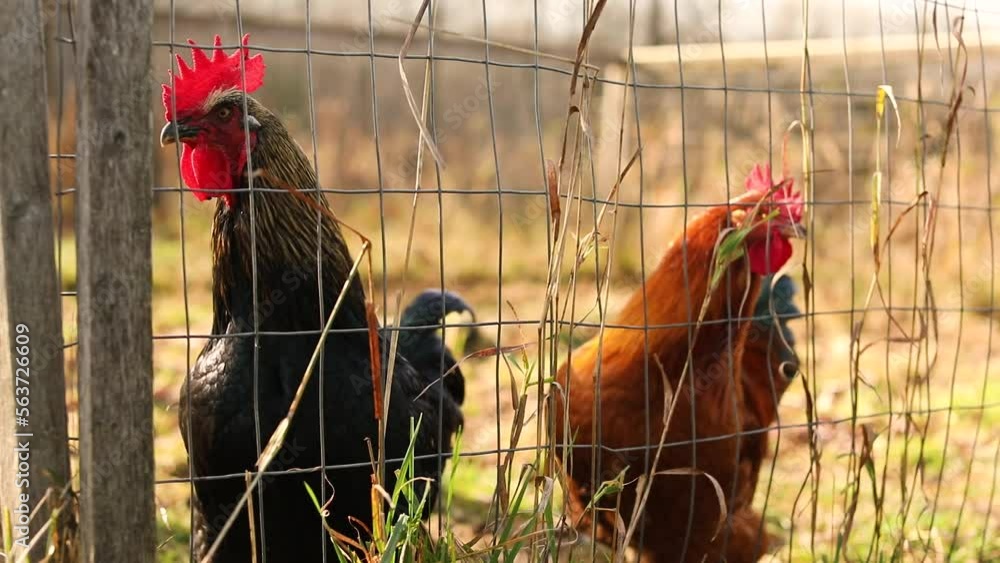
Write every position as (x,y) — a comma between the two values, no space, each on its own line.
(173,132)
(789,229)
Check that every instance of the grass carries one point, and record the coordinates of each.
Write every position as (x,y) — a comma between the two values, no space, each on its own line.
(471,483)
(963,477)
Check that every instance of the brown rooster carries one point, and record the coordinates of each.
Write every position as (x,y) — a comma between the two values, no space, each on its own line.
(279,267)
(682,513)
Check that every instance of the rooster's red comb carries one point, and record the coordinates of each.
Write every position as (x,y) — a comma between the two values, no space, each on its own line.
(193,84)
(789,201)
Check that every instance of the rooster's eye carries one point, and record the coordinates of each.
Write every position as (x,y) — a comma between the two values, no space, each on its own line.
(223,113)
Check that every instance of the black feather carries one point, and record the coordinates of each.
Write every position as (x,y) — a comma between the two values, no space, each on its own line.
(242,384)
(421,340)
(782,298)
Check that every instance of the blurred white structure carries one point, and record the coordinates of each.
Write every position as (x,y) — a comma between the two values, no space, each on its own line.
(560,21)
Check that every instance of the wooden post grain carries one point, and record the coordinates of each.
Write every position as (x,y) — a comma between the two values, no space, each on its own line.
(114,173)
(29,291)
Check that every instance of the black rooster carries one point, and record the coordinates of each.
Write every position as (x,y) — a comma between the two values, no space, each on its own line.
(267,327)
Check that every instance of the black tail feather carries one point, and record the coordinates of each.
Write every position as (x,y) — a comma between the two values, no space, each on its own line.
(421,343)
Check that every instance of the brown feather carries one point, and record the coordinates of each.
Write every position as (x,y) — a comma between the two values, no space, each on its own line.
(711,407)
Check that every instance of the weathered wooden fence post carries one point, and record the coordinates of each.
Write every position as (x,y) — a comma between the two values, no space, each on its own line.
(32,387)
(114,174)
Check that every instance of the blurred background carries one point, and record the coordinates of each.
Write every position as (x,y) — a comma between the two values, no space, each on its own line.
(706,89)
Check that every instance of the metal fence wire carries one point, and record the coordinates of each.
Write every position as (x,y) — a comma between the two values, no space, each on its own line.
(538,159)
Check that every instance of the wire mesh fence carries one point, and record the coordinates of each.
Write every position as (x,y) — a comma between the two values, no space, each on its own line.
(632,383)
